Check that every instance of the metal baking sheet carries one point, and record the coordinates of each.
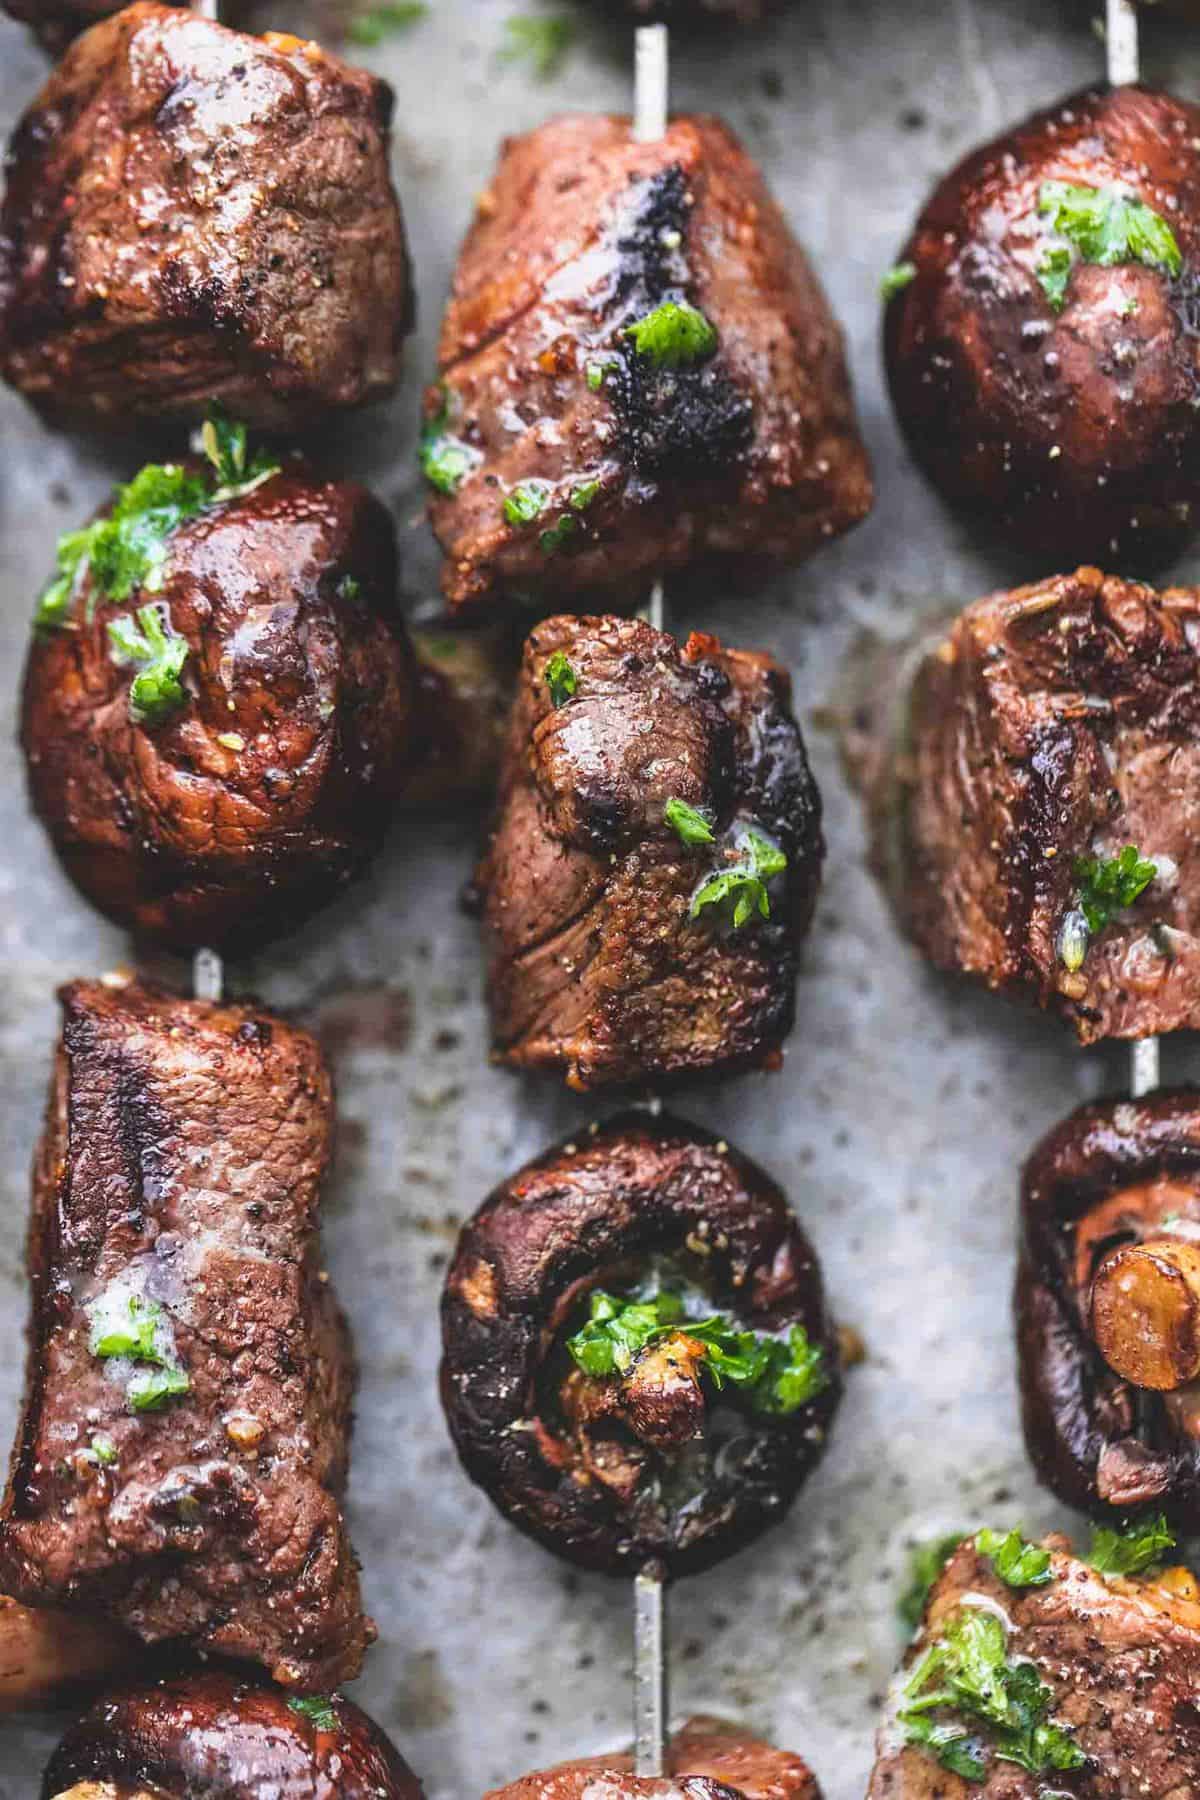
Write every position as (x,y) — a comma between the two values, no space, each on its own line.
(906,1104)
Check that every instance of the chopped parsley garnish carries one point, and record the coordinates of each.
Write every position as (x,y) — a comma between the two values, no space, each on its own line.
(745,884)
(128,549)
(150,1389)
(561,678)
(598,372)
(541,42)
(1132,1549)
(582,495)
(673,336)
(558,534)
(1103,226)
(1106,885)
(146,642)
(378,22)
(777,1375)
(445,459)
(525,502)
(897,279)
(103,1449)
(692,826)
(924,1566)
(1001,1706)
(1018,1563)
(125,1325)
(348,589)
(318,1708)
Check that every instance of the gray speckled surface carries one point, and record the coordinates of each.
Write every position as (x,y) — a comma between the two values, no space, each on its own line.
(905,1106)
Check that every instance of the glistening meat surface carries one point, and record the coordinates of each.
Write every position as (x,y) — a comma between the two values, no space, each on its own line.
(177,1184)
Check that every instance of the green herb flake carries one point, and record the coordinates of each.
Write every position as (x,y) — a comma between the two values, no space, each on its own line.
(123,1324)
(692,826)
(541,42)
(1132,1548)
(597,373)
(102,1449)
(1108,885)
(775,1374)
(524,504)
(150,1389)
(556,536)
(925,1564)
(128,549)
(744,886)
(582,495)
(673,336)
(1018,1563)
(1102,226)
(371,27)
(1001,1705)
(147,642)
(319,1709)
(897,278)
(560,678)
(348,589)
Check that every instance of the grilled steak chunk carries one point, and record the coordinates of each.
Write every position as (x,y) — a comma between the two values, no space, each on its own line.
(194,214)
(208,1735)
(612,1449)
(570,456)
(187,1414)
(227,809)
(1116,1177)
(709,1759)
(1052,729)
(601,960)
(55,22)
(1043,356)
(1108,1668)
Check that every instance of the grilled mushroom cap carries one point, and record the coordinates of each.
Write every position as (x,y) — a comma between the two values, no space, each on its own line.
(653,1462)
(209,1734)
(1106,1306)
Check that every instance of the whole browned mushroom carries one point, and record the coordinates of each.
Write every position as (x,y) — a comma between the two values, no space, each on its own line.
(1040,335)
(707,1759)
(1107,1306)
(47,1656)
(197,214)
(219,696)
(211,1735)
(637,1360)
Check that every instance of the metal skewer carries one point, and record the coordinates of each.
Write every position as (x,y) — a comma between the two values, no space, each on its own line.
(208,975)
(1124,67)
(651,79)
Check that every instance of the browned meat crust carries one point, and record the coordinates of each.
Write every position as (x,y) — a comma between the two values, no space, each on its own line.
(1122,1659)
(752,456)
(1056,722)
(627,1193)
(181,1163)
(708,1759)
(1094,1439)
(1076,433)
(193,215)
(595,966)
(252,805)
(210,1735)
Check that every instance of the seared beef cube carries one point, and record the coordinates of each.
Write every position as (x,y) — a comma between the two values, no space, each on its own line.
(1041,334)
(187,1415)
(1108,1306)
(638,370)
(708,1759)
(1080,1684)
(192,215)
(655,859)
(1051,802)
(586,1322)
(216,730)
(210,1735)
